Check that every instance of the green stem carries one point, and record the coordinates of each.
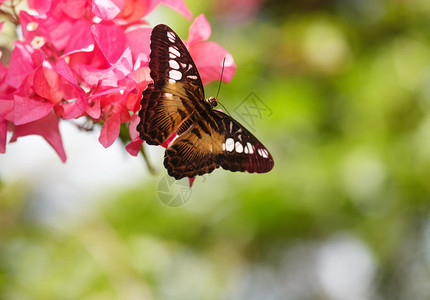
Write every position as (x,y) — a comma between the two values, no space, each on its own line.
(151,169)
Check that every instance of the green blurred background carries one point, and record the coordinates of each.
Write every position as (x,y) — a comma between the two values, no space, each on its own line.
(344,92)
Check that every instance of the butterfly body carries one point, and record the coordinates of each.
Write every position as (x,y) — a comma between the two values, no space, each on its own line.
(174,103)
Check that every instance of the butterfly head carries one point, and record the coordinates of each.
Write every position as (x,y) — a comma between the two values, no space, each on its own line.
(212,101)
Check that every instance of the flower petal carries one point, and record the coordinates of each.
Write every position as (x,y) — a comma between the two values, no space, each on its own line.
(110,129)
(111,40)
(132,125)
(93,57)
(73,109)
(134,10)
(134,146)
(138,41)
(94,110)
(20,64)
(79,37)
(3,134)
(5,89)
(7,109)
(46,83)
(107,9)
(141,77)
(209,57)
(41,6)
(46,127)
(200,30)
(64,70)
(136,82)
(179,6)
(114,113)
(75,9)
(29,109)
(109,76)
(64,33)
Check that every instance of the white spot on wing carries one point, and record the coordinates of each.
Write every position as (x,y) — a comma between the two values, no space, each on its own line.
(250,148)
(168,95)
(263,153)
(239,147)
(246,149)
(173,64)
(229,144)
(172,81)
(223,146)
(175,74)
(171,36)
(173,51)
(192,77)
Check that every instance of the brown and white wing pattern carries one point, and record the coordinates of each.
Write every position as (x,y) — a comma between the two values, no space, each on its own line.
(213,141)
(176,89)
(206,139)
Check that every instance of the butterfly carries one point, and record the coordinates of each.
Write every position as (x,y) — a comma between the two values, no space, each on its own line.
(175,102)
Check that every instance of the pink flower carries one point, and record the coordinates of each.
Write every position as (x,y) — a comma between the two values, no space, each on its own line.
(3,134)
(134,146)
(47,127)
(208,55)
(134,10)
(6,117)
(89,58)
(20,64)
(107,9)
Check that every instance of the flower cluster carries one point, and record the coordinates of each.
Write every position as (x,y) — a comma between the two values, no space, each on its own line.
(89,58)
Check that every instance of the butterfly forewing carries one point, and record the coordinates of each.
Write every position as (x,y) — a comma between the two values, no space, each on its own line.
(217,140)
(169,57)
(175,91)
(162,113)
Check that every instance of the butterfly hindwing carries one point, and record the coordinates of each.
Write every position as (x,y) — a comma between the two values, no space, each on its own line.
(175,91)
(217,140)
(242,151)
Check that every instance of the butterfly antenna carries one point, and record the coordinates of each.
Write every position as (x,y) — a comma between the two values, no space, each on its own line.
(225,109)
(220,80)
(219,87)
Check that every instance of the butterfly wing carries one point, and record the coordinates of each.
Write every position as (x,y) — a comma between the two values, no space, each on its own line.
(174,102)
(176,89)
(212,141)
(242,151)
